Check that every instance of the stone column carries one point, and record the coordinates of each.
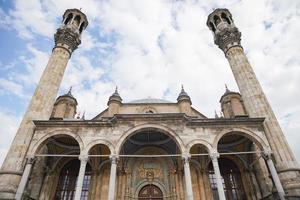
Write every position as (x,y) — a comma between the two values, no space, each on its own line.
(67,38)
(276,180)
(228,38)
(187,176)
(83,161)
(25,176)
(113,177)
(214,159)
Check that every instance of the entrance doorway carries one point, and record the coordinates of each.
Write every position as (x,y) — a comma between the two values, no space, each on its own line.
(150,192)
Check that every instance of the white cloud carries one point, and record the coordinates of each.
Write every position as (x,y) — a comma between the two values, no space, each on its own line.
(10,123)
(8,86)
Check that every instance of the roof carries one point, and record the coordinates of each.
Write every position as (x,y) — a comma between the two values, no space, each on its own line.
(149,100)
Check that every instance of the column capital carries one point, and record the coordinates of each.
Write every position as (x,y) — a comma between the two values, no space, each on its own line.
(186,158)
(267,153)
(114,158)
(30,159)
(83,158)
(214,155)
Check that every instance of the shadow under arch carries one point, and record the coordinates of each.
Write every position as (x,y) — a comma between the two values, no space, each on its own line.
(94,143)
(252,136)
(204,143)
(57,133)
(146,127)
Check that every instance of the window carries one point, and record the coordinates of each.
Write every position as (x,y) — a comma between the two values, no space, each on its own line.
(150,192)
(67,181)
(231,180)
(70,16)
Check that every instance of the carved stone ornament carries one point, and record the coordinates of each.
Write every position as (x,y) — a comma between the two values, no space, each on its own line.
(267,154)
(31,159)
(66,36)
(150,170)
(227,38)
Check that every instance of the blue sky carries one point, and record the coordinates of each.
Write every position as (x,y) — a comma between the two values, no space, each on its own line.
(149,48)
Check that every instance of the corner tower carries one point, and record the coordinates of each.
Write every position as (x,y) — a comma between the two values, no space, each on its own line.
(228,38)
(67,39)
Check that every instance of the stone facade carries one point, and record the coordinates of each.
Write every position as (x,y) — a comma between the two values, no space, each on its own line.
(151,147)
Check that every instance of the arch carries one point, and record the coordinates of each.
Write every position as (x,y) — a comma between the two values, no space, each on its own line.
(254,137)
(81,27)
(212,26)
(42,141)
(77,20)
(70,16)
(206,144)
(217,20)
(106,143)
(224,17)
(159,128)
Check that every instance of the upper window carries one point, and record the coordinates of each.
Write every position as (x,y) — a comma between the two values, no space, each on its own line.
(231,179)
(67,181)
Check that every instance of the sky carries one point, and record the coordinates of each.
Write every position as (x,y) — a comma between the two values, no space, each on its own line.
(148,49)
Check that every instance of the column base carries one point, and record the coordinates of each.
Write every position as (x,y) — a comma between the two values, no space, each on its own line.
(8,185)
(272,196)
(292,191)
(7,195)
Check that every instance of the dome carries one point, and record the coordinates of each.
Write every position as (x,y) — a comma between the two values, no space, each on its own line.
(149,100)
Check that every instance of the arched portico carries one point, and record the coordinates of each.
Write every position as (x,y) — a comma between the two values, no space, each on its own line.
(159,128)
(150,153)
(93,143)
(204,143)
(260,141)
(43,140)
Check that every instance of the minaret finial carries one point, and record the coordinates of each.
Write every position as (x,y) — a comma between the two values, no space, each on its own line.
(70,90)
(83,116)
(216,115)
(182,88)
(116,90)
(226,86)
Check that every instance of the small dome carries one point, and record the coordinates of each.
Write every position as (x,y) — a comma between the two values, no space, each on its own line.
(183,95)
(115,96)
(67,95)
(228,92)
(149,100)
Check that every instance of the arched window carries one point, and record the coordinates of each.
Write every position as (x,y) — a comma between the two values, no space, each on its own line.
(225,18)
(231,179)
(67,181)
(150,192)
(81,27)
(217,20)
(212,26)
(77,20)
(70,16)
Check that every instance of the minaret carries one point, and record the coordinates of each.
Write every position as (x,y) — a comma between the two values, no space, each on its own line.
(228,38)
(67,39)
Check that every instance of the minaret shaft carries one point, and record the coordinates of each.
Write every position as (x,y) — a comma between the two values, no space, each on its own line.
(67,38)
(228,39)
(257,105)
(40,108)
